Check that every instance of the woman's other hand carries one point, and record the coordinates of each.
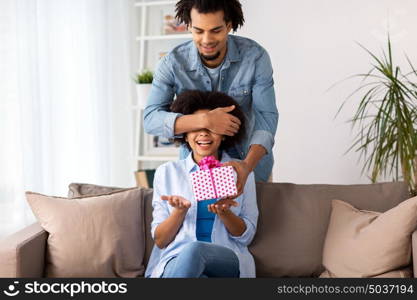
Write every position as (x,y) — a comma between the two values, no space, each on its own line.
(222,206)
(177,202)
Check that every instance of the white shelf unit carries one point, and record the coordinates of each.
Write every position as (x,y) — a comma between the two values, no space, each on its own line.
(144,38)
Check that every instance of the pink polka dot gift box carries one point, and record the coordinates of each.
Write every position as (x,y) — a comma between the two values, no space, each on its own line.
(213,181)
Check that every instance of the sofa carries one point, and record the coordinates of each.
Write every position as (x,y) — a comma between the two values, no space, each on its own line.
(291,231)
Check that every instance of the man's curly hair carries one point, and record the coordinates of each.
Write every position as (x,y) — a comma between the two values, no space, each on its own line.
(232,10)
(190,101)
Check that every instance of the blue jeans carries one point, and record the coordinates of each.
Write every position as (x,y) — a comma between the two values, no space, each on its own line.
(202,259)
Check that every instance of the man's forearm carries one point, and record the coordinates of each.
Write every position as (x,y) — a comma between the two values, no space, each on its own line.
(189,123)
(255,154)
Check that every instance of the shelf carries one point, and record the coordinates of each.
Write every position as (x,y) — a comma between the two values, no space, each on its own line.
(142,36)
(156,158)
(154,3)
(164,37)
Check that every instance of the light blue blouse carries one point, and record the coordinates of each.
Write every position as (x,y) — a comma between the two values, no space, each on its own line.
(172,178)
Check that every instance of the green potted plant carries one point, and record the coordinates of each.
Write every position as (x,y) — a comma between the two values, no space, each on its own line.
(386,116)
(143,82)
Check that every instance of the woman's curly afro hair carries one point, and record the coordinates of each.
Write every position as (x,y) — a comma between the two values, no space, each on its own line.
(232,10)
(190,101)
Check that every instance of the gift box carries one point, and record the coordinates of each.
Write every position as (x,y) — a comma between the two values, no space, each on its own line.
(213,180)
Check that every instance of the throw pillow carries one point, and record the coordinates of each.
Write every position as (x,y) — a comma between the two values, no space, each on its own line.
(86,189)
(98,236)
(362,243)
(406,272)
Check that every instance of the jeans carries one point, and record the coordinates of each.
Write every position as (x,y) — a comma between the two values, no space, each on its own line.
(202,259)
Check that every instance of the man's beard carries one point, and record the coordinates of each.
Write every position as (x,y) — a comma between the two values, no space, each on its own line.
(210,57)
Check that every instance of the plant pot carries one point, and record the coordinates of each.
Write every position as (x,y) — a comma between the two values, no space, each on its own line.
(142,92)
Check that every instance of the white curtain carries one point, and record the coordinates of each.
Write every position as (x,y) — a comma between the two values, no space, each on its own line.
(65,90)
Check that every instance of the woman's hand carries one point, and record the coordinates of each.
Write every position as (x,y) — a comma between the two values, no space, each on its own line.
(222,206)
(178,202)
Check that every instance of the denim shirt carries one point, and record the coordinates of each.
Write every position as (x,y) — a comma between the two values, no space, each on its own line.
(173,178)
(246,75)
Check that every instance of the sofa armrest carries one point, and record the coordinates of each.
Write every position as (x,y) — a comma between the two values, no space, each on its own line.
(22,254)
(414,252)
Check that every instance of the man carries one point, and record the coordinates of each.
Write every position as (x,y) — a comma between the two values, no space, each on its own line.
(217,61)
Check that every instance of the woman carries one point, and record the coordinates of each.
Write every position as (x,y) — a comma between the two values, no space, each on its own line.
(201,238)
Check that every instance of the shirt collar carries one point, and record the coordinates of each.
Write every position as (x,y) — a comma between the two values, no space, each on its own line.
(191,166)
(232,55)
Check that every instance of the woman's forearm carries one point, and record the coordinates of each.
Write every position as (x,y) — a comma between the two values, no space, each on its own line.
(166,231)
(234,224)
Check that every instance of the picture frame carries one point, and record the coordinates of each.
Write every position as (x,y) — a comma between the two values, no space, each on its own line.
(172,26)
(169,24)
(159,146)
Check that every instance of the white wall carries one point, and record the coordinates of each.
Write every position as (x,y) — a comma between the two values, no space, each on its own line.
(312,45)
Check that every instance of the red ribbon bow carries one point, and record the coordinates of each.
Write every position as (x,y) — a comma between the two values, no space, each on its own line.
(209,162)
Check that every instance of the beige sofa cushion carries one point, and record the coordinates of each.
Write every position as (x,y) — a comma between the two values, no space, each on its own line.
(293,220)
(406,272)
(362,243)
(98,236)
(85,189)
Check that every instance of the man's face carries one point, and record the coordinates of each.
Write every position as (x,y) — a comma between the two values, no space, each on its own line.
(210,33)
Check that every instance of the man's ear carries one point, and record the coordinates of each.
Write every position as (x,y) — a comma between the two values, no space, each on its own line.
(229,26)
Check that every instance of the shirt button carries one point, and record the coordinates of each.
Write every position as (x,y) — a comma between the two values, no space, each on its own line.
(245,92)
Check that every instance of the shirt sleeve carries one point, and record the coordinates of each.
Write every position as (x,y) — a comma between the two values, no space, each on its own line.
(157,119)
(160,207)
(249,212)
(264,104)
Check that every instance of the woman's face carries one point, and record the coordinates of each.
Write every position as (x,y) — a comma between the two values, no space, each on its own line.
(203,142)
